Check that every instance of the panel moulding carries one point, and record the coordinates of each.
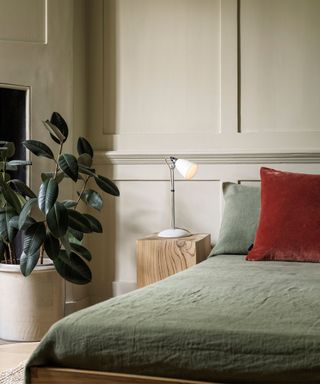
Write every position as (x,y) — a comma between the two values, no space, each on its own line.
(278,60)
(110,77)
(127,158)
(41,38)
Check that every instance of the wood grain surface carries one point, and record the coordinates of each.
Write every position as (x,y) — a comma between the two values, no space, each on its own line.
(46,375)
(158,258)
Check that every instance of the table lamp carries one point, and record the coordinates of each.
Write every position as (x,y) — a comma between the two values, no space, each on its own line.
(187,170)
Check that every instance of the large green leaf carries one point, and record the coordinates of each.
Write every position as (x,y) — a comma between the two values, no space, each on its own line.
(19,162)
(21,199)
(9,167)
(7,149)
(57,220)
(34,237)
(48,194)
(107,185)
(72,268)
(86,170)
(75,235)
(69,203)
(92,198)
(51,246)
(38,148)
(28,262)
(95,223)
(12,230)
(14,222)
(66,243)
(85,160)
(81,251)
(60,123)
(22,188)
(78,221)
(10,196)
(50,175)
(69,165)
(7,232)
(55,132)
(26,210)
(83,146)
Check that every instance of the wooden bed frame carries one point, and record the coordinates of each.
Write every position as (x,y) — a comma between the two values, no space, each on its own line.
(50,375)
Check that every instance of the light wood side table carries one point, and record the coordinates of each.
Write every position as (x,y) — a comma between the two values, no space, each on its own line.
(159,257)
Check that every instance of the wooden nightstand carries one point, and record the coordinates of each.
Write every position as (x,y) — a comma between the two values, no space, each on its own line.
(159,257)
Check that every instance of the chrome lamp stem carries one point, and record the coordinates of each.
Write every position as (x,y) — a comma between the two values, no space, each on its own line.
(172,167)
(183,167)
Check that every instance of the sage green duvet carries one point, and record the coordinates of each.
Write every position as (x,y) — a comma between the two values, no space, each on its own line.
(226,320)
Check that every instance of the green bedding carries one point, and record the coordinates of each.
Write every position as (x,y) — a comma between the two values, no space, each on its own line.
(226,319)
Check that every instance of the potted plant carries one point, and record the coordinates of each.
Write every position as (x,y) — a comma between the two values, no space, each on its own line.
(43,227)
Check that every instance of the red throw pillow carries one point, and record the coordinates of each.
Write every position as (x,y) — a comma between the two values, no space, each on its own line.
(289,226)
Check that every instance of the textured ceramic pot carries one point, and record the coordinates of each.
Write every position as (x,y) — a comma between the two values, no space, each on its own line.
(29,305)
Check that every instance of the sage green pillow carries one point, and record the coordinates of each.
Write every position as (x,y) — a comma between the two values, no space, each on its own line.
(240,219)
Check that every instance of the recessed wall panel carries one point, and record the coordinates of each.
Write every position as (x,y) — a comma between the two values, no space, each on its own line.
(23,20)
(280,61)
(168,66)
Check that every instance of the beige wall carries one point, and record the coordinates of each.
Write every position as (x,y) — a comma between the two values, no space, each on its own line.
(231,88)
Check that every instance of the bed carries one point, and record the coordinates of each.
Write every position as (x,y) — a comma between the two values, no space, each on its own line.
(225,320)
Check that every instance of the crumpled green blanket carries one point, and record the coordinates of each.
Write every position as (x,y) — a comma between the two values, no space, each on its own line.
(225,320)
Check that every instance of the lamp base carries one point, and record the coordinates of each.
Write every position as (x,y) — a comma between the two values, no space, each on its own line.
(174,232)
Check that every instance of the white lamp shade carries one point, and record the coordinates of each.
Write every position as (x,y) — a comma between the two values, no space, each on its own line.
(186,168)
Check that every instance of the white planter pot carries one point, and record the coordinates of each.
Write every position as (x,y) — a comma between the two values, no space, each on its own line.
(29,305)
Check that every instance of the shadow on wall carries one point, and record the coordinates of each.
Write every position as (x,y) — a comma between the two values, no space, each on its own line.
(102,247)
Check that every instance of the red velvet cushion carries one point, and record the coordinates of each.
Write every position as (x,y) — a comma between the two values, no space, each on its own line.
(289,226)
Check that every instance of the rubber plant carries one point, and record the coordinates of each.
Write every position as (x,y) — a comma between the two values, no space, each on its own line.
(46,224)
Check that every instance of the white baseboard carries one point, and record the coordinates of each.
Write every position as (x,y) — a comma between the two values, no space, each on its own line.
(121,287)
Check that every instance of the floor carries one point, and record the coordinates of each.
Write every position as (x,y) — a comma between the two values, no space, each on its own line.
(11,354)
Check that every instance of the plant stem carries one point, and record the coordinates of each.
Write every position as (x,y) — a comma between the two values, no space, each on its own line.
(4,169)
(57,164)
(41,254)
(14,255)
(81,192)
(10,253)
(5,253)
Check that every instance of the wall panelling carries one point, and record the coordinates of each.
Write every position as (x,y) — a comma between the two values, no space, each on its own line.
(280,60)
(23,21)
(230,84)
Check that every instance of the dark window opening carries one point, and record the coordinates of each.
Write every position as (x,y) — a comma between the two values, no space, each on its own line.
(13,114)
(13,127)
